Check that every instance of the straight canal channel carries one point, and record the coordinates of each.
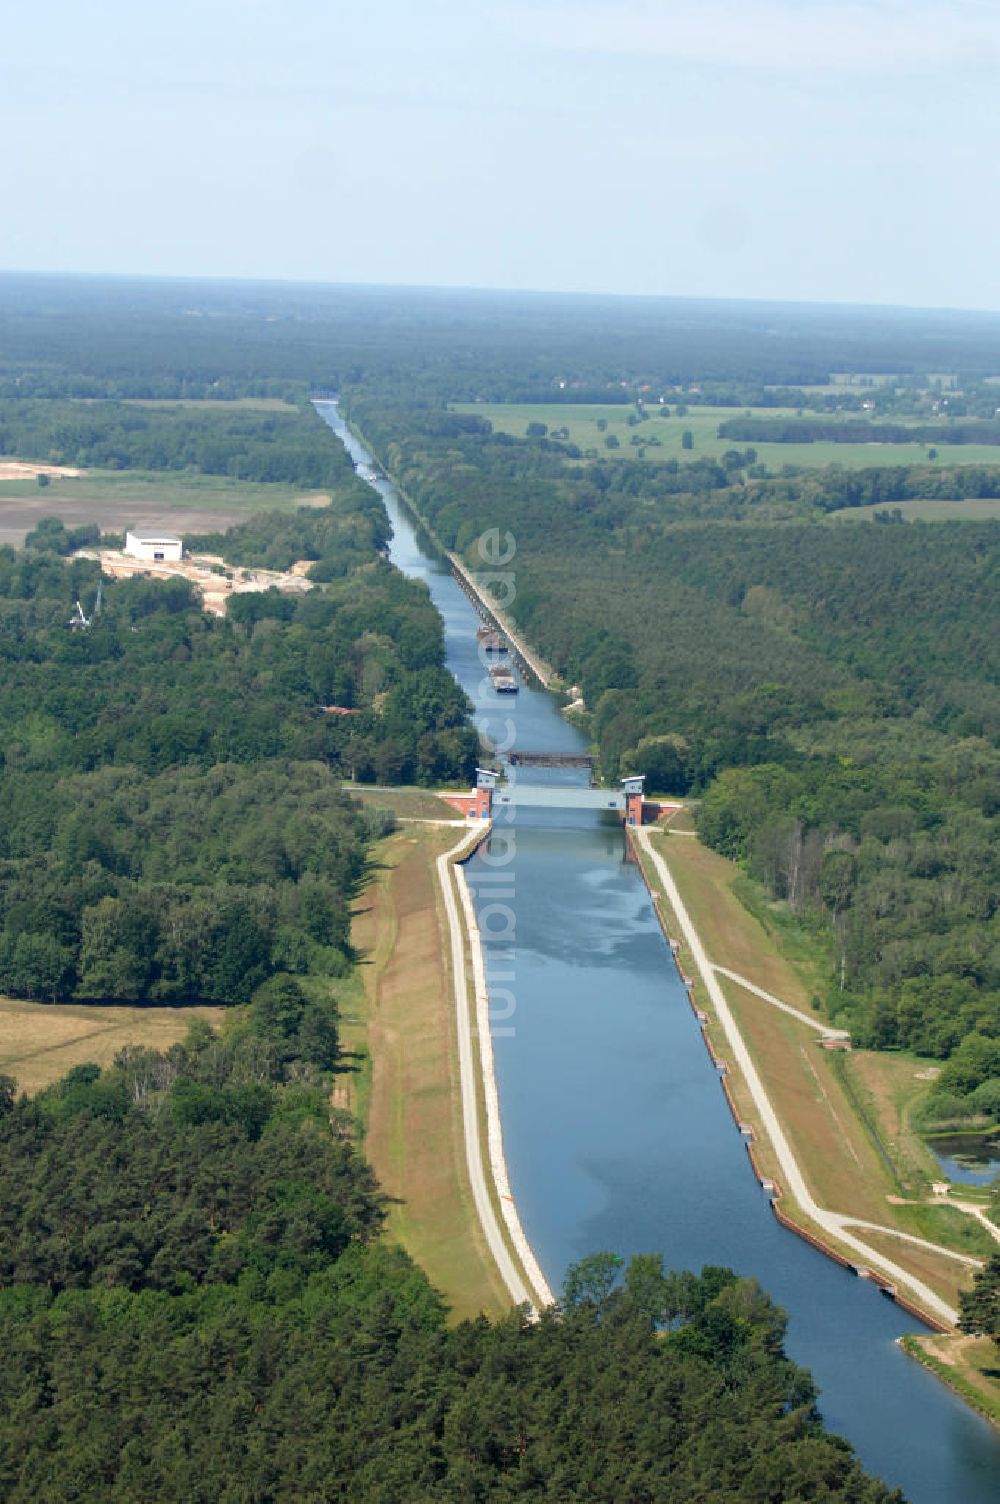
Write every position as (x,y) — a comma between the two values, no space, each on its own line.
(616,1131)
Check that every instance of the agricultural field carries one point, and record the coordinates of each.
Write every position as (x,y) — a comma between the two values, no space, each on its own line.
(927,509)
(40,1042)
(120,499)
(660,438)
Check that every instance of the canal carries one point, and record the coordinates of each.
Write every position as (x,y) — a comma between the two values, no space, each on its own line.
(617,1133)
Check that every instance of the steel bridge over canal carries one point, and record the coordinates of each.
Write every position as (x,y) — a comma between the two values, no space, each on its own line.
(556,796)
(490,795)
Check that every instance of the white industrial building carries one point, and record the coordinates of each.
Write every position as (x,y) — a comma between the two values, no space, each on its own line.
(153,546)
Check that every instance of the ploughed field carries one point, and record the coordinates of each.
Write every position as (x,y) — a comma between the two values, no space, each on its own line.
(117,500)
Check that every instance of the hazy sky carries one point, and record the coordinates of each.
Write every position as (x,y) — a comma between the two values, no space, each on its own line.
(815,149)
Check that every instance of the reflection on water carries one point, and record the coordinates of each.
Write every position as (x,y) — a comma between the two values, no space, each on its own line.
(969,1158)
(617,1133)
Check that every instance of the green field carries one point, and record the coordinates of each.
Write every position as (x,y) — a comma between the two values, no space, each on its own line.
(117,499)
(246,404)
(972,509)
(660,438)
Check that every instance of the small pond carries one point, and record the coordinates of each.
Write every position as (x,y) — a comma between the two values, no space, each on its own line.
(968,1158)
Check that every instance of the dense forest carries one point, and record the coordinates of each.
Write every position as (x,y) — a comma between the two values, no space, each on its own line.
(830,693)
(171,821)
(129,338)
(244,443)
(172,825)
(196,1304)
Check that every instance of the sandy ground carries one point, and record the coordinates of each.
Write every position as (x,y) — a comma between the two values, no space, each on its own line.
(26,470)
(202,570)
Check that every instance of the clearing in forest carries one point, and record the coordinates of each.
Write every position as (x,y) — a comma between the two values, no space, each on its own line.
(927,509)
(40,1042)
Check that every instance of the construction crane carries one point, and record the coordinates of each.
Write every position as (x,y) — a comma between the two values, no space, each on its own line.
(79,621)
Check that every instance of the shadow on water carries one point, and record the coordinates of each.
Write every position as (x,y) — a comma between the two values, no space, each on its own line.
(617,1133)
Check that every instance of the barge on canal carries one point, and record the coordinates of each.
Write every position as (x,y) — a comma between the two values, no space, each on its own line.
(491,641)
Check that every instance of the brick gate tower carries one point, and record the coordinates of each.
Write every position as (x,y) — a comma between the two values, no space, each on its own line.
(486,782)
(633,798)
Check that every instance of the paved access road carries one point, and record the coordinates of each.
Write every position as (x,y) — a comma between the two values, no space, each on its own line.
(512,1278)
(793,1179)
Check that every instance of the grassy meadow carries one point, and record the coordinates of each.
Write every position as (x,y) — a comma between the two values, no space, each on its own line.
(660,438)
(40,1042)
(969,1365)
(925,509)
(412,804)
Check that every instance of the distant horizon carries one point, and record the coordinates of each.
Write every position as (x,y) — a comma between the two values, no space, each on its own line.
(811,151)
(291,280)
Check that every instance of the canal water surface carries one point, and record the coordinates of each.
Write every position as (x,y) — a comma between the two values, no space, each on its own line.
(616,1130)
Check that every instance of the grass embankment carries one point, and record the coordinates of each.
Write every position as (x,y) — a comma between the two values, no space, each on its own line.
(582,419)
(40,1042)
(848,1151)
(412,804)
(119,499)
(399,1022)
(681,822)
(969,1365)
(888,1088)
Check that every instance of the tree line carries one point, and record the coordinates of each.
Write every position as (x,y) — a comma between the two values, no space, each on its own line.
(196,1304)
(269,446)
(785,430)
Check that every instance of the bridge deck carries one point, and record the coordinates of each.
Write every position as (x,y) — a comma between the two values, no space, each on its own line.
(557,796)
(550,759)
